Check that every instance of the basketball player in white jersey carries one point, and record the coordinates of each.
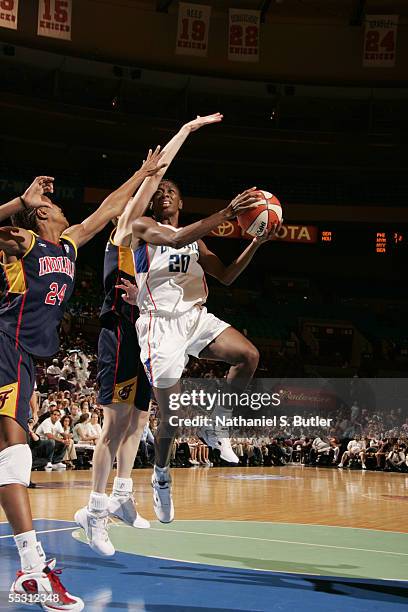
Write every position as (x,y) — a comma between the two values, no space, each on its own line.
(125,415)
(170,266)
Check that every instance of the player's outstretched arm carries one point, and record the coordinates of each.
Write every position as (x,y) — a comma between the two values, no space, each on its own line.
(114,205)
(147,230)
(31,198)
(138,205)
(213,265)
(14,241)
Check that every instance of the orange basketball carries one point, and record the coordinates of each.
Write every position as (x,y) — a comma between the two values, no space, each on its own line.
(257,221)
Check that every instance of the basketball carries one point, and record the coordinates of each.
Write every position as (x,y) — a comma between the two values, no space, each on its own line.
(257,221)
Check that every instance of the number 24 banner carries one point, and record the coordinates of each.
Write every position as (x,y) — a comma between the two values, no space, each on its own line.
(8,14)
(54,18)
(243,36)
(192,31)
(380,41)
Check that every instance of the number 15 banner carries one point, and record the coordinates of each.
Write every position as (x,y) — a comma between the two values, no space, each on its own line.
(54,18)
(380,41)
(243,36)
(8,14)
(192,31)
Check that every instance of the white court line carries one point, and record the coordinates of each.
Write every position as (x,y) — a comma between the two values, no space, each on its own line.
(222,535)
(3,537)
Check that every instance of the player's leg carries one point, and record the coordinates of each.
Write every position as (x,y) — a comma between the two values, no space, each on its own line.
(16,387)
(215,340)
(163,352)
(117,378)
(236,350)
(122,503)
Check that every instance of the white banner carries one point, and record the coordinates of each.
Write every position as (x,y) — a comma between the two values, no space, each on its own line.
(243,35)
(380,41)
(8,14)
(192,31)
(54,18)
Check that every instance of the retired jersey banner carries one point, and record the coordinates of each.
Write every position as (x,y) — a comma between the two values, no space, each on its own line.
(243,35)
(192,31)
(380,41)
(288,233)
(8,14)
(54,18)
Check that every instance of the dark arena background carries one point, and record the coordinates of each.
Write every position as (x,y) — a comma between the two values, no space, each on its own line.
(314,95)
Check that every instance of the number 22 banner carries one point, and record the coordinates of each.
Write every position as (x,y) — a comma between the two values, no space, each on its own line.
(192,31)
(8,14)
(243,36)
(380,41)
(54,18)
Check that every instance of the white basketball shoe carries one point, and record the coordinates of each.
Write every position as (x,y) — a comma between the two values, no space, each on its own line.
(123,508)
(46,589)
(162,499)
(95,526)
(217,437)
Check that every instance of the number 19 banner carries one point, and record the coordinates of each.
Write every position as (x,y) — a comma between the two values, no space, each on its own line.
(243,36)
(54,18)
(192,31)
(8,14)
(380,41)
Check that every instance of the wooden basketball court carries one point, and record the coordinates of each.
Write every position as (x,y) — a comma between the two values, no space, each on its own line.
(243,539)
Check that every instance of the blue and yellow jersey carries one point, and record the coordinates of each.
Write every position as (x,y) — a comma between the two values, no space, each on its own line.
(38,287)
(118,264)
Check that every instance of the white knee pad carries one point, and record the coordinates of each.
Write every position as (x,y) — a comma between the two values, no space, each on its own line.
(15,465)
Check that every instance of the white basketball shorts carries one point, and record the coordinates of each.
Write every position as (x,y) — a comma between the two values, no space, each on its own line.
(167,340)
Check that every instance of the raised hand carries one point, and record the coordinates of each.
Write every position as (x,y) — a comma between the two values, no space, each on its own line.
(34,196)
(199,122)
(267,236)
(151,165)
(242,202)
(131,291)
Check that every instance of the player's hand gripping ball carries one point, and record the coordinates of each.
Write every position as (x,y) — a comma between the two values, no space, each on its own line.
(261,218)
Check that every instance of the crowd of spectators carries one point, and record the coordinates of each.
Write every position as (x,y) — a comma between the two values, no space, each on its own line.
(70,421)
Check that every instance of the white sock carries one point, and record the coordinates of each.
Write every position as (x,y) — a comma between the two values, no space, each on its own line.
(31,553)
(122,487)
(98,502)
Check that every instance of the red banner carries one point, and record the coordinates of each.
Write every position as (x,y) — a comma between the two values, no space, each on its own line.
(380,41)
(54,18)
(192,31)
(8,14)
(288,233)
(243,35)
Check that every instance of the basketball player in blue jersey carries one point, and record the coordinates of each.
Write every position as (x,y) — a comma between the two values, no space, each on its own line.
(170,265)
(124,391)
(38,268)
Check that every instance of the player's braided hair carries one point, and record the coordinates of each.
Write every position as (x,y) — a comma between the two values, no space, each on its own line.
(26,219)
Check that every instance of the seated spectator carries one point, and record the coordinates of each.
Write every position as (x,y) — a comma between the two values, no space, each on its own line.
(75,413)
(395,460)
(71,456)
(54,369)
(94,427)
(320,448)
(84,406)
(383,450)
(41,450)
(83,435)
(51,429)
(355,450)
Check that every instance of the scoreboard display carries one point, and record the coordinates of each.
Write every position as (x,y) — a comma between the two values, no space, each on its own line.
(379,240)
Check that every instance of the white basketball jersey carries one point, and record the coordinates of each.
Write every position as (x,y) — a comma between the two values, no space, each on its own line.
(169,280)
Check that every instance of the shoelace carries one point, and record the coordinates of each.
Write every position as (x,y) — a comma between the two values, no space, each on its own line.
(57,585)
